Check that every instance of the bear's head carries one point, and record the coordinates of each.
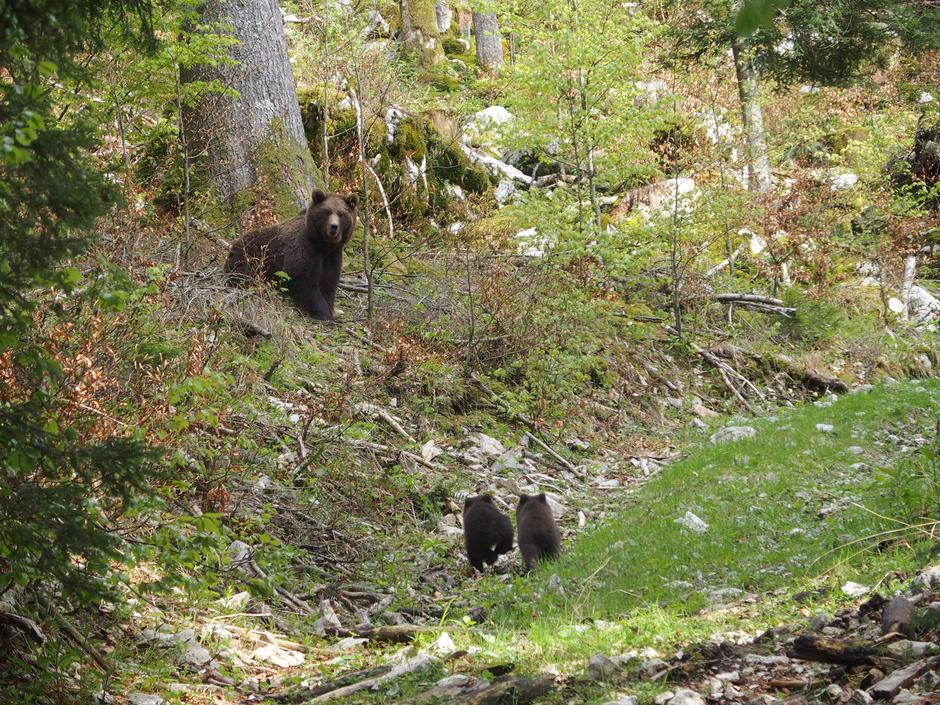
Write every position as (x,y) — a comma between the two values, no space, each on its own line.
(479,498)
(331,218)
(525,498)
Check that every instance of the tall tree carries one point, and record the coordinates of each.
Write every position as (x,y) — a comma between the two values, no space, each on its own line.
(759,175)
(489,41)
(420,32)
(245,116)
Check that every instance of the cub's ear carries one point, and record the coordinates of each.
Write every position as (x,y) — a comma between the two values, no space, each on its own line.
(523,498)
(542,498)
(468,501)
(487,498)
(352,200)
(317,197)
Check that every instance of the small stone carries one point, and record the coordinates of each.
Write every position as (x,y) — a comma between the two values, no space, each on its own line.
(272,653)
(487,445)
(929,682)
(693,522)
(819,621)
(601,668)
(928,580)
(729,676)
(444,645)
(834,691)
(347,644)
(825,428)
(236,601)
(906,697)
(104,698)
(832,631)
(195,656)
(504,192)
(723,596)
(555,586)
(761,660)
(732,433)
(686,697)
(764,699)
(854,589)
(145,699)
(855,450)
(623,700)
(663,697)
(861,697)
(910,648)
(652,667)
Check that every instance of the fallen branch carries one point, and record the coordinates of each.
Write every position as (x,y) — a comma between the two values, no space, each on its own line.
(764,304)
(24,624)
(729,375)
(374,410)
(501,691)
(76,637)
(846,652)
(417,663)
(379,448)
(544,446)
(390,634)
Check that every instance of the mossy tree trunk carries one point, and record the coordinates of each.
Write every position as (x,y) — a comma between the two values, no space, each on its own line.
(255,137)
(419,31)
(489,41)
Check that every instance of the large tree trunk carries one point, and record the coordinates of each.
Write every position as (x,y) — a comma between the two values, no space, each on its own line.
(445,16)
(489,41)
(257,137)
(419,31)
(758,161)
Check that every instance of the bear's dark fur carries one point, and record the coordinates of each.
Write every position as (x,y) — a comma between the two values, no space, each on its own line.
(487,532)
(538,534)
(308,248)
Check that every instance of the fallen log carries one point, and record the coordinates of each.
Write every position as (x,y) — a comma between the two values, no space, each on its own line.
(505,690)
(889,686)
(845,652)
(393,633)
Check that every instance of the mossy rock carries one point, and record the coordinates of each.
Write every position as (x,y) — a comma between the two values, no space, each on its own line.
(455,47)
(443,78)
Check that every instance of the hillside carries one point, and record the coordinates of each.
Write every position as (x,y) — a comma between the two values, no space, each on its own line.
(684,281)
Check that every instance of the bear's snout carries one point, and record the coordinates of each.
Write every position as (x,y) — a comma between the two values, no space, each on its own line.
(332,226)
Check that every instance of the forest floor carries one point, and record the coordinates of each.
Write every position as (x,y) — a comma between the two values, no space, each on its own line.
(807,513)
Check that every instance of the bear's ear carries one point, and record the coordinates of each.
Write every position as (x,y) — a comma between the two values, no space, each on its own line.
(542,498)
(317,197)
(352,200)
(487,498)
(468,501)
(523,498)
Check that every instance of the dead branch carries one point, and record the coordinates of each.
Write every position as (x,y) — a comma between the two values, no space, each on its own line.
(24,624)
(76,637)
(846,652)
(374,410)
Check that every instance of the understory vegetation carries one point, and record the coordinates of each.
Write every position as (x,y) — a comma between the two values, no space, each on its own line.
(647,224)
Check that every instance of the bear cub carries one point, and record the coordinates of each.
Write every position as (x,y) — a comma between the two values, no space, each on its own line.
(538,534)
(308,248)
(487,532)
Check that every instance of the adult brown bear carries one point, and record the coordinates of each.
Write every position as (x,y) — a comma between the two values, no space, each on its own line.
(538,533)
(308,248)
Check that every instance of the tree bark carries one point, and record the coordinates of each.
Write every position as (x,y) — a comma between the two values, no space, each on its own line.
(758,161)
(419,31)
(260,128)
(489,41)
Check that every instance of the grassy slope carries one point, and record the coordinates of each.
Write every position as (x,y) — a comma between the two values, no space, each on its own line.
(762,498)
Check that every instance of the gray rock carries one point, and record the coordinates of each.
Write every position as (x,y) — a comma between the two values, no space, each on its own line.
(504,192)
(856,450)
(195,656)
(764,700)
(928,580)
(761,660)
(733,433)
(691,521)
(929,682)
(861,697)
(625,700)
(686,697)
(906,697)
(601,668)
(904,648)
(663,697)
(723,596)
(889,686)
(145,699)
(825,428)
(819,621)
(104,698)
(729,676)
(487,446)
(454,685)
(834,691)
(555,586)
(510,460)
(653,667)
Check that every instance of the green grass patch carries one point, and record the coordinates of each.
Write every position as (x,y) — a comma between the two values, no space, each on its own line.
(783,510)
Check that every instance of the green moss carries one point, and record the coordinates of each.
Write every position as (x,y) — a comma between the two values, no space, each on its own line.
(442,78)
